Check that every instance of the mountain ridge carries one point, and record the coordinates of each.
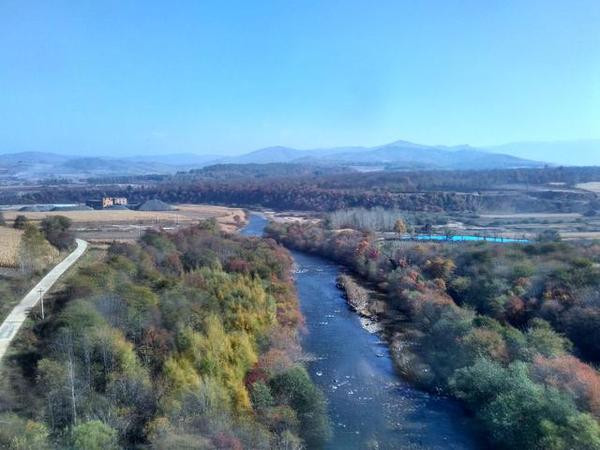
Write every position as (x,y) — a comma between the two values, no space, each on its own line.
(583,152)
(395,155)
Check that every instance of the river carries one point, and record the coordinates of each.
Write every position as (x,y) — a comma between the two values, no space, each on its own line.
(370,406)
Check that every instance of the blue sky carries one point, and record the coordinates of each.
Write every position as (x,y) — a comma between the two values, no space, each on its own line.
(124,77)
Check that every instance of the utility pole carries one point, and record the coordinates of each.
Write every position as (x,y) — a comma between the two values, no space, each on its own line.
(41,291)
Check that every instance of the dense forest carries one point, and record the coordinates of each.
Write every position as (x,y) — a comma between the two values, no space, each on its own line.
(392,180)
(297,187)
(511,330)
(185,340)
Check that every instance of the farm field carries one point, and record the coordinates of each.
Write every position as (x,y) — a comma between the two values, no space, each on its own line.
(539,216)
(529,225)
(576,235)
(9,248)
(592,186)
(126,225)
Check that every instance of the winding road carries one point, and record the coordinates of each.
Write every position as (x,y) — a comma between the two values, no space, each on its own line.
(14,321)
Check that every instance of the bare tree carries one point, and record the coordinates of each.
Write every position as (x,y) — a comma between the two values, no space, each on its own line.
(374,219)
(64,347)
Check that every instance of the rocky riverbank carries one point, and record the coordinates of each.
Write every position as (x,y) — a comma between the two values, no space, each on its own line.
(375,318)
(363,301)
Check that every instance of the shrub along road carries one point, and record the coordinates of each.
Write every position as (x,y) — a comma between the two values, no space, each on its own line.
(10,326)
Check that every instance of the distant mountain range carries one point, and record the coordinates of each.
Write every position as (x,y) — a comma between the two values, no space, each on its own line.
(584,152)
(40,165)
(394,156)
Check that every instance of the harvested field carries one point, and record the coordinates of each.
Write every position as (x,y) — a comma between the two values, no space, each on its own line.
(9,246)
(592,186)
(575,235)
(125,225)
(540,216)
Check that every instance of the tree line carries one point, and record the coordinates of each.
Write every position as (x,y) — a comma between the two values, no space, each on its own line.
(283,186)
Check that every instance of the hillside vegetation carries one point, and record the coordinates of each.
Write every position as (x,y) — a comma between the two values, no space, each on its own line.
(185,340)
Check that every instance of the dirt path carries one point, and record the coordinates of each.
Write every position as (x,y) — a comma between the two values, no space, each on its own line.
(14,321)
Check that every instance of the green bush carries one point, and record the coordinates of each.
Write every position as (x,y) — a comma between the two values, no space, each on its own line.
(295,387)
(21,434)
(94,435)
(520,413)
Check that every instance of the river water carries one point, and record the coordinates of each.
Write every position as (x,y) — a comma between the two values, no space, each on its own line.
(370,406)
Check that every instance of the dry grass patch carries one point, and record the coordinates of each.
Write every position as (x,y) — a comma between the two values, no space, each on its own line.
(105,226)
(182,214)
(592,186)
(575,235)
(539,216)
(9,246)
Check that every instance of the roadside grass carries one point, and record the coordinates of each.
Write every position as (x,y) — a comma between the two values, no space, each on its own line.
(14,285)
(21,341)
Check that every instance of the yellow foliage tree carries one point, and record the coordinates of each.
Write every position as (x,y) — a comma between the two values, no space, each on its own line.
(400,226)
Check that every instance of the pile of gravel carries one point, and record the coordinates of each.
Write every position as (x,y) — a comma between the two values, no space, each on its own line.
(155,205)
(35,208)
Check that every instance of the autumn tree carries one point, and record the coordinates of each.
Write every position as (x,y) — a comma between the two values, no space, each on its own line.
(57,231)
(400,227)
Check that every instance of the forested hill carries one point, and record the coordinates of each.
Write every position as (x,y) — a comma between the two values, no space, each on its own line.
(185,340)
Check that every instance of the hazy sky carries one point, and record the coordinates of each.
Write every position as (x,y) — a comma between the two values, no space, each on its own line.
(230,76)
